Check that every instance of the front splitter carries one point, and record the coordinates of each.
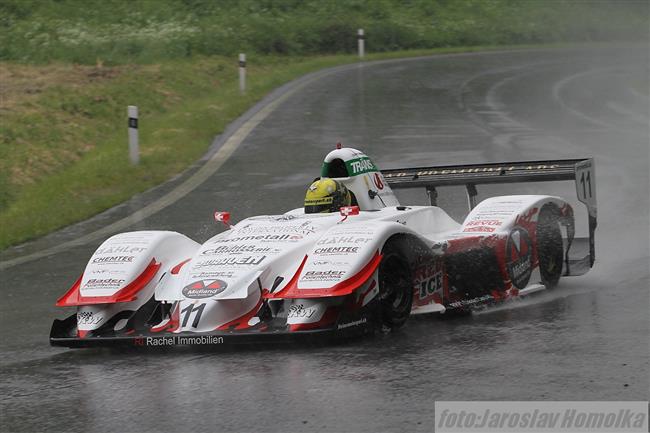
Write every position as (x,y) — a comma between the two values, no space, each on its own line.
(214,339)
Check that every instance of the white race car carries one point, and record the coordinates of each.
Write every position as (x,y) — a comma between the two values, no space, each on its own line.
(365,268)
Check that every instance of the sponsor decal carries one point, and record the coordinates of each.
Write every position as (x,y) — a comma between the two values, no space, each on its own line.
(299,311)
(231,261)
(124,249)
(336,250)
(113,259)
(319,201)
(460,170)
(519,257)
(379,183)
(263,238)
(479,229)
(88,318)
(107,272)
(351,324)
(277,217)
(360,166)
(329,262)
(306,228)
(213,275)
(322,275)
(428,279)
(237,249)
(343,240)
(283,218)
(178,340)
(481,222)
(465,302)
(431,285)
(204,289)
(105,283)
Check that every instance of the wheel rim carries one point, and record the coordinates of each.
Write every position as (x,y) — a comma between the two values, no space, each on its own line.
(551,264)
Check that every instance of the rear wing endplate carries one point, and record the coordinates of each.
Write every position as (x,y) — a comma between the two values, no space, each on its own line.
(581,171)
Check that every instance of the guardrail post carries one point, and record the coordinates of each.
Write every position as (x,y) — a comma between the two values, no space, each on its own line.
(361,43)
(242,72)
(134,147)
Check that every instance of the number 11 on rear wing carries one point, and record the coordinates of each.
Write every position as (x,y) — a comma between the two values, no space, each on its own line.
(581,171)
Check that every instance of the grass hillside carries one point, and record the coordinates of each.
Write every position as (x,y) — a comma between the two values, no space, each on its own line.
(148,31)
(69,68)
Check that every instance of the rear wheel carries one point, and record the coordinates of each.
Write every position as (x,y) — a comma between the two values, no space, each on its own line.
(550,250)
(395,290)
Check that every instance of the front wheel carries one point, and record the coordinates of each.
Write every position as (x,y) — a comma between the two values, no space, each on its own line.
(395,291)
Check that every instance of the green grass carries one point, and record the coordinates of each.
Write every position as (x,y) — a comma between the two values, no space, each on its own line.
(147,31)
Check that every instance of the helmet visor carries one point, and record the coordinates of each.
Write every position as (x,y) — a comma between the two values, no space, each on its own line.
(319,205)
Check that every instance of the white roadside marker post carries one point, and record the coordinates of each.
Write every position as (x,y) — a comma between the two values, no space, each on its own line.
(134,147)
(242,72)
(361,43)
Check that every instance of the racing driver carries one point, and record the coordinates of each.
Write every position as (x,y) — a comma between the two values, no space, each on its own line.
(326,195)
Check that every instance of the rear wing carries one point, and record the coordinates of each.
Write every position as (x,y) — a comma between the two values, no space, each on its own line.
(581,171)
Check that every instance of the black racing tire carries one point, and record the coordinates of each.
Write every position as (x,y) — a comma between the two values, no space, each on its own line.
(550,249)
(395,297)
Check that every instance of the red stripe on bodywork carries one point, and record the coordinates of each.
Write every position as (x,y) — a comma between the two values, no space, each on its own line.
(340,289)
(176,269)
(127,294)
(293,282)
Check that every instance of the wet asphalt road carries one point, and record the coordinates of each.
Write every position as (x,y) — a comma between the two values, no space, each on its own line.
(586,340)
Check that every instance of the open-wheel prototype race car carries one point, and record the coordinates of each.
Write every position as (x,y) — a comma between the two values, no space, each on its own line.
(353,260)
